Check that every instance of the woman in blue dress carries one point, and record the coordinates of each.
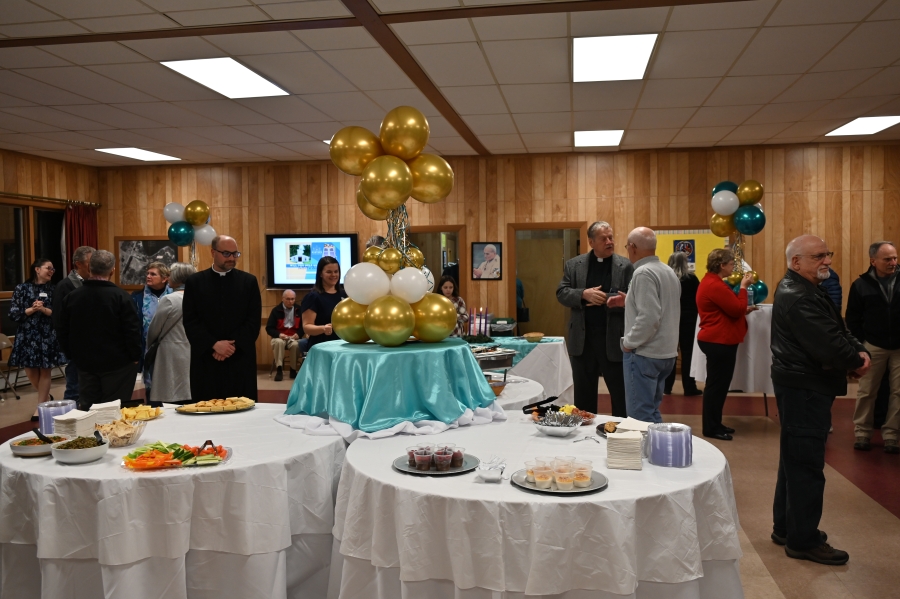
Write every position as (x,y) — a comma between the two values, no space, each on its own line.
(35,348)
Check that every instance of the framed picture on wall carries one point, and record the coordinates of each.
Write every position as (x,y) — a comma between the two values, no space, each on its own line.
(486,260)
(133,254)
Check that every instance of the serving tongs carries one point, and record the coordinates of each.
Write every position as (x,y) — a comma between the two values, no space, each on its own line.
(205,443)
(42,436)
(540,407)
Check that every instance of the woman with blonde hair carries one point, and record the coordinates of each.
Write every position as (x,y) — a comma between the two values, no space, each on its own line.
(689,284)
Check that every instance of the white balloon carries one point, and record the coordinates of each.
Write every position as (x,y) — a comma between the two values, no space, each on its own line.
(428,277)
(409,284)
(725,202)
(365,282)
(204,234)
(173,212)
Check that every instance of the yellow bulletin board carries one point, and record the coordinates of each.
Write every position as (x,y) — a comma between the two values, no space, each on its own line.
(701,240)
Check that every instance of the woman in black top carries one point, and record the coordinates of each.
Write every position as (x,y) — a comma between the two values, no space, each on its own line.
(689,284)
(319,303)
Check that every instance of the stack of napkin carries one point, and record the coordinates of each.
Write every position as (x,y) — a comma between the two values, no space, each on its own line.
(630,424)
(75,423)
(107,412)
(623,450)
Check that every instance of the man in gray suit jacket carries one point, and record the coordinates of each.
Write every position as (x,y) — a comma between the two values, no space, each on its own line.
(594,329)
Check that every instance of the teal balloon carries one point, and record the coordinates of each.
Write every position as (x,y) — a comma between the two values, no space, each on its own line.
(760,292)
(749,220)
(736,288)
(725,185)
(181,233)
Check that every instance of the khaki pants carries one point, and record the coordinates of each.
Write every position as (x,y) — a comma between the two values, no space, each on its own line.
(864,415)
(278,347)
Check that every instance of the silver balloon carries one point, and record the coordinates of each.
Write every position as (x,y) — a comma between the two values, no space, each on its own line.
(428,277)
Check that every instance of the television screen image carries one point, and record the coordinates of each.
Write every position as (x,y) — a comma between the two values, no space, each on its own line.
(292,259)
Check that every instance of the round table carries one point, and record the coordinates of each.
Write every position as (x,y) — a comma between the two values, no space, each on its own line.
(546,362)
(652,534)
(256,526)
(519,392)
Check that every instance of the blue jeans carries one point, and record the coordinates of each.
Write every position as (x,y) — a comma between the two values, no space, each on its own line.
(71,391)
(644,382)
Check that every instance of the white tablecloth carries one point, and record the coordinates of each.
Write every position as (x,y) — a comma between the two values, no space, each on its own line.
(752,372)
(549,365)
(257,526)
(519,392)
(655,533)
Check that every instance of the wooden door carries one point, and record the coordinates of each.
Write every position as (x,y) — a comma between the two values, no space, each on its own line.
(540,267)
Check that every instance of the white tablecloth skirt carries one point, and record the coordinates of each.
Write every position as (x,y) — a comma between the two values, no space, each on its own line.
(519,392)
(549,365)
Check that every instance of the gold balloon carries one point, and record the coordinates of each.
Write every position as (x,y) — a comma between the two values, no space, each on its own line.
(749,192)
(432,178)
(389,321)
(418,258)
(348,321)
(196,213)
(722,226)
(371,254)
(734,278)
(386,182)
(754,278)
(404,132)
(390,260)
(368,209)
(353,148)
(435,318)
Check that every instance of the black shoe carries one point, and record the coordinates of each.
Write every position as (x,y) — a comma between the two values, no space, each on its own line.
(693,393)
(862,444)
(728,429)
(35,418)
(667,392)
(279,374)
(823,554)
(719,436)
(293,373)
(891,446)
(782,539)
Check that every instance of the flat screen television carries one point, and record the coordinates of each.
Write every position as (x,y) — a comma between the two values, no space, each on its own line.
(291,259)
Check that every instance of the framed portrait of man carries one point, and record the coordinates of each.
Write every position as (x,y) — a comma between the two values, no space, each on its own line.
(133,254)
(486,260)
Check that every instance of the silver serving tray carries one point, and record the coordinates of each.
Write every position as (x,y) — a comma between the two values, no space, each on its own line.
(470,462)
(599,482)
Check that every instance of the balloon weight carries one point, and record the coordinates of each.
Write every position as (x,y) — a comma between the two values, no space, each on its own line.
(435,318)
(390,260)
(386,182)
(181,233)
(371,254)
(365,282)
(196,213)
(389,321)
(749,220)
(404,132)
(368,209)
(725,203)
(173,212)
(204,235)
(409,285)
(353,148)
(750,192)
(348,321)
(722,226)
(432,178)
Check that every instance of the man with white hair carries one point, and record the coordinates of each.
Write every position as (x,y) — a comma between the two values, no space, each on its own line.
(490,267)
(812,353)
(652,315)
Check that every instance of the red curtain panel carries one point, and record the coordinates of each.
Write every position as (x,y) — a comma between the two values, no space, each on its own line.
(81,228)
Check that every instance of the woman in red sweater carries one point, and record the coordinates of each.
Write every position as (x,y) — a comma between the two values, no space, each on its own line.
(723,325)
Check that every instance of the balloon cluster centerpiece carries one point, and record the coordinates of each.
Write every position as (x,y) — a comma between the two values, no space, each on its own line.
(189,225)
(390,291)
(738,212)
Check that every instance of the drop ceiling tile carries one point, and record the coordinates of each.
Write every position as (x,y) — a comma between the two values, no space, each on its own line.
(544,122)
(720,116)
(6,101)
(94,8)
(674,93)
(737,91)
(849,108)
(156,81)
(167,114)
(178,48)
(606,95)
(782,50)
(618,22)
(367,68)
(727,15)
(274,133)
(325,39)
(273,151)
(348,106)
(56,118)
(451,146)
(755,132)
(824,86)
(46,29)
(491,124)
(434,32)
(23,58)
(683,54)
(6,145)
(129,23)
(85,157)
(640,137)
(808,12)
(87,83)
(284,109)
(311,9)
(889,109)
(227,112)
(167,5)
(785,113)
(707,134)
(561,149)
(12,122)
(529,61)
(888,10)
(314,149)
(171,135)
(690,144)
(95,53)
(453,64)
(187,154)
(520,27)
(540,97)
(230,152)
(73,138)
(810,128)
(865,47)
(884,83)
(599,120)
(740,142)
(23,87)
(373,125)
(117,138)
(501,143)
(483,99)
(408,5)
(661,118)
(299,72)
(22,11)
(272,42)
(319,131)
(109,115)
(221,16)
(390,98)
(224,135)
(548,140)
(439,127)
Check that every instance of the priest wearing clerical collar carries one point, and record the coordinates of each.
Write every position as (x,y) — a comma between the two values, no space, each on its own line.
(222,307)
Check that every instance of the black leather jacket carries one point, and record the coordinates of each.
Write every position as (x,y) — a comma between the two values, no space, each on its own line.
(811,347)
(872,316)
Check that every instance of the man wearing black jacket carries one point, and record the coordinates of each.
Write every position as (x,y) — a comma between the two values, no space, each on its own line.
(284,327)
(81,270)
(873,316)
(100,331)
(812,353)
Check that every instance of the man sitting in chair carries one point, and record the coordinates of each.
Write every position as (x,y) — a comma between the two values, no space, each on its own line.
(283,327)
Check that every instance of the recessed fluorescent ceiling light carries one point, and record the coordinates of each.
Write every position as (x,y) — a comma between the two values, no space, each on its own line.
(866,125)
(137,154)
(584,139)
(226,76)
(612,58)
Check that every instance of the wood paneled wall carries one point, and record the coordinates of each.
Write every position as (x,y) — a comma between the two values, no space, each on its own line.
(850,195)
(32,175)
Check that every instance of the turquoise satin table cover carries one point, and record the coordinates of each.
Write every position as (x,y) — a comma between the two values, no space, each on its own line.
(373,388)
(521,345)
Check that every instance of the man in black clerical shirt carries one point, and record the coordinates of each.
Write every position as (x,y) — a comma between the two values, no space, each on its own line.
(595,328)
(222,308)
